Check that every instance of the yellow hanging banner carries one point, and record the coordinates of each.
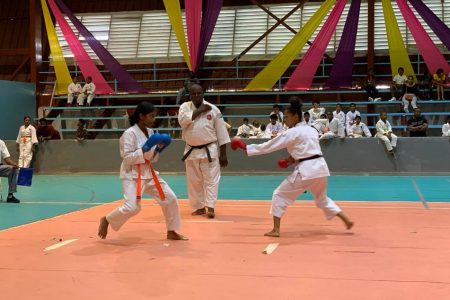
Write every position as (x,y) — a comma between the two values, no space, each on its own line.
(173,10)
(63,78)
(275,69)
(397,51)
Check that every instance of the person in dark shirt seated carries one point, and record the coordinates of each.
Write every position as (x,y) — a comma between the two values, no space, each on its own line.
(417,125)
(46,131)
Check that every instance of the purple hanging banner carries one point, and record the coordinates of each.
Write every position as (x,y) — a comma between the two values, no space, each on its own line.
(124,79)
(211,12)
(436,24)
(342,70)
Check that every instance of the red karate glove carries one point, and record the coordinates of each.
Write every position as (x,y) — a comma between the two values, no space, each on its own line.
(283,163)
(238,143)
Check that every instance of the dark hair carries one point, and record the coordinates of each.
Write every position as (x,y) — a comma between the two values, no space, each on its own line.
(358,117)
(27,117)
(276,105)
(352,104)
(89,77)
(316,101)
(440,70)
(83,122)
(338,104)
(448,118)
(323,116)
(142,108)
(401,68)
(273,116)
(263,127)
(306,113)
(383,112)
(245,119)
(43,120)
(295,107)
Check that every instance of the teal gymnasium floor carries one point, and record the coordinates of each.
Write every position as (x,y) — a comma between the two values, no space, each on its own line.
(53,195)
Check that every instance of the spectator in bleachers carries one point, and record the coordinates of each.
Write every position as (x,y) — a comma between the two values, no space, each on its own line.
(334,129)
(426,86)
(9,169)
(87,92)
(46,132)
(446,127)
(74,90)
(81,134)
(385,134)
(256,129)
(439,82)
(316,110)
(398,84)
(417,125)
(26,142)
(263,133)
(339,114)
(306,119)
(358,129)
(274,127)
(277,111)
(410,96)
(245,130)
(350,117)
(184,91)
(370,87)
(321,124)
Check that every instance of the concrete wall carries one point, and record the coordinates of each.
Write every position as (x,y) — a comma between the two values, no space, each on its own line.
(17,101)
(349,156)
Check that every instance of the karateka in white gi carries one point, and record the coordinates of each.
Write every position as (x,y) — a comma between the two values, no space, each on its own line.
(26,143)
(139,147)
(310,169)
(87,92)
(204,132)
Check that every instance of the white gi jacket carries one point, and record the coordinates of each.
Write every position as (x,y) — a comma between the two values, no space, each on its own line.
(340,116)
(74,88)
(446,129)
(350,117)
(383,128)
(314,115)
(89,88)
(131,143)
(301,142)
(358,130)
(208,128)
(26,135)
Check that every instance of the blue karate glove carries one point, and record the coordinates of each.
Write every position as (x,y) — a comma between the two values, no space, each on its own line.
(165,141)
(152,141)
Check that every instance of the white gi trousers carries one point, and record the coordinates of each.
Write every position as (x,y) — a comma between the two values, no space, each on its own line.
(70,98)
(202,182)
(288,191)
(328,135)
(82,97)
(385,139)
(131,207)
(25,153)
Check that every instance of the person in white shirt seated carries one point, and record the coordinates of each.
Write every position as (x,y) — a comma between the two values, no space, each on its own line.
(385,134)
(410,96)
(446,127)
(306,119)
(88,92)
(398,84)
(263,133)
(316,111)
(74,89)
(334,129)
(277,111)
(350,117)
(274,127)
(245,130)
(339,114)
(359,129)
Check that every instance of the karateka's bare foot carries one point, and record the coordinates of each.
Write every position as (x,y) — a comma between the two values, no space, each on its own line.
(273,233)
(348,223)
(211,213)
(173,235)
(198,212)
(103,228)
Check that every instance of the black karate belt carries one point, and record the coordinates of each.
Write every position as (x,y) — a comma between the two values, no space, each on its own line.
(309,158)
(198,147)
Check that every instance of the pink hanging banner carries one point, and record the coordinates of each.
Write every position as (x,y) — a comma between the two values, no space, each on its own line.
(87,66)
(303,75)
(430,53)
(193,9)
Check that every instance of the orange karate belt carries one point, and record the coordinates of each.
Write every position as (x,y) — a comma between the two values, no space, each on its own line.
(162,196)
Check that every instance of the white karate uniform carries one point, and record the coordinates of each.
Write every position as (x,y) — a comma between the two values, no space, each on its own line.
(315,114)
(245,129)
(335,129)
(132,155)
(202,176)
(26,139)
(280,115)
(446,129)
(89,92)
(274,130)
(73,90)
(359,131)
(311,175)
(384,128)
(340,116)
(320,125)
(350,119)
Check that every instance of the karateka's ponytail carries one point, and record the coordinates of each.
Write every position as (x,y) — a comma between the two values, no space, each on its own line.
(142,108)
(295,106)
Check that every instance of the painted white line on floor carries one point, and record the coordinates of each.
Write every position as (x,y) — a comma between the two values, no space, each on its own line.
(270,248)
(59,245)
